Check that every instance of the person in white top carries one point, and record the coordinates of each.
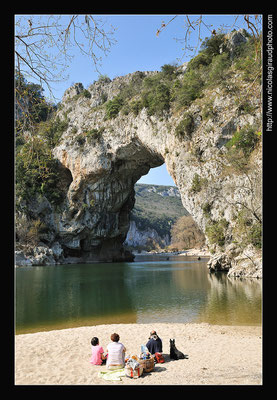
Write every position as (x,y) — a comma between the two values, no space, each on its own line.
(116,353)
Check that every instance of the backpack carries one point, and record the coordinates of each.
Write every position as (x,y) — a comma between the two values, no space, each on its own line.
(159,358)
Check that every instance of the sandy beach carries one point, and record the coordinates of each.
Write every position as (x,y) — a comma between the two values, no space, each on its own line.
(217,355)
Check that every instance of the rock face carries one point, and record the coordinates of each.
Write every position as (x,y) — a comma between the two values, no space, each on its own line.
(104,158)
(220,262)
(156,210)
(138,238)
(235,38)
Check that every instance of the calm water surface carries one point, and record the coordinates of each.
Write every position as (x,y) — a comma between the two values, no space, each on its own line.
(151,289)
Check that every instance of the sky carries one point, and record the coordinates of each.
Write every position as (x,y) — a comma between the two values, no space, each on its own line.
(138,48)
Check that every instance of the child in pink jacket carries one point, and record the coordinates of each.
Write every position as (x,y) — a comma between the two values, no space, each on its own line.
(97,352)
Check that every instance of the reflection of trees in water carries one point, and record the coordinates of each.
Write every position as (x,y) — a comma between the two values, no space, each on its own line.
(193,278)
(177,290)
(188,291)
(113,292)
(232,301)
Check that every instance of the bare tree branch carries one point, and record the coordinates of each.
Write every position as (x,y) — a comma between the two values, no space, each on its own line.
(46,57)
(43,49)
(195,23)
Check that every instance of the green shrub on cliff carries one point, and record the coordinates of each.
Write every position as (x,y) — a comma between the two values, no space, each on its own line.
(37,172)
(36,168)
(219,69)
(198,183)
(247,230)
(156,94)
(244,139)
(185,127)
(157,99)
(246,60)
(190,89)
(52,130)
(215,232)
(113,107)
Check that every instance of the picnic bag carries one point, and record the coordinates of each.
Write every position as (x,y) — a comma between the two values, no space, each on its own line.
(148,364)
(133,373)
(133,369)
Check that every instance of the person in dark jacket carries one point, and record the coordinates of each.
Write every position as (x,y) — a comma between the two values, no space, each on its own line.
(154,344)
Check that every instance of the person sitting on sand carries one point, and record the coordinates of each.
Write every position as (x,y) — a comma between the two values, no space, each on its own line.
(97,352)
(154,343)
(116,353)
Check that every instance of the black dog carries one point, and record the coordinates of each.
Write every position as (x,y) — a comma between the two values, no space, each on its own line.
(175,354)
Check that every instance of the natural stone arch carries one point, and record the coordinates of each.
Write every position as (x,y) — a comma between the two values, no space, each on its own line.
(105,167)
(109,144)
(99,203)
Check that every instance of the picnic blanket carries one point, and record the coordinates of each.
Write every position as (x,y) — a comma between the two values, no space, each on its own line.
(114,375)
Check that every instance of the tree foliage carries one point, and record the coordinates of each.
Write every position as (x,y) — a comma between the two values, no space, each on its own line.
(36,169)
(185,234)
(30,104)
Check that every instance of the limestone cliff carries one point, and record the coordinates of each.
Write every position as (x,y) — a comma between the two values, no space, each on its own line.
(148,238)
(102,157)
(157,208)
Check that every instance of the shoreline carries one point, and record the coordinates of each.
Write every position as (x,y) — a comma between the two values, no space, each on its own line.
(217,355)
(191,253)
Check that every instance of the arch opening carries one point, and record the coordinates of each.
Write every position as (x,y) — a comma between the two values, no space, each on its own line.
(158,221)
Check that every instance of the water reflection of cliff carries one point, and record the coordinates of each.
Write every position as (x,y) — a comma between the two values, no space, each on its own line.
(232,301)
(157,291)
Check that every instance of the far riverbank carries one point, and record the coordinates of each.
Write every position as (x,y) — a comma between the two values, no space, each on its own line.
(203,252)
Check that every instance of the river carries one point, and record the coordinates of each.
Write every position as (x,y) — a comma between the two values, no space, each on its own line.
(150,289)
